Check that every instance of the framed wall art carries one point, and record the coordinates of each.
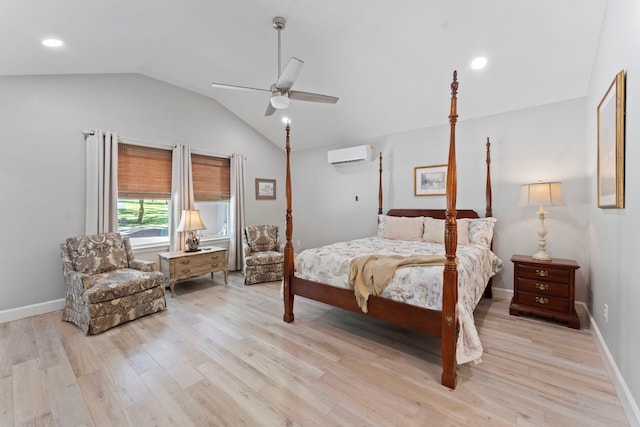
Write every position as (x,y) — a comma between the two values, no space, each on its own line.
(265,189)
(611,111)
(430,180)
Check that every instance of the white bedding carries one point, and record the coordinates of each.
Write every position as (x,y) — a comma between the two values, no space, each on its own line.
(420,285)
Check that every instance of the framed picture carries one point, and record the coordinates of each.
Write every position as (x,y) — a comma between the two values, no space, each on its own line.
(430,180)
(611,145)
(265,189)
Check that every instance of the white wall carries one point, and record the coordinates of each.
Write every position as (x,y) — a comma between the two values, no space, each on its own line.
(42,166)
(613,233)
(541,143)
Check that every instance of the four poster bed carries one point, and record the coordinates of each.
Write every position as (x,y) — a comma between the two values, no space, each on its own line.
(438,317)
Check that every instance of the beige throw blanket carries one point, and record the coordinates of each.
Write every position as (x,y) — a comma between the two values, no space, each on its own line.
(370,274)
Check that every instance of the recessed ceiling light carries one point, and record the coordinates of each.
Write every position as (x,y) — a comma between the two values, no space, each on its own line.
(286,120)
(52,42)
(479,62)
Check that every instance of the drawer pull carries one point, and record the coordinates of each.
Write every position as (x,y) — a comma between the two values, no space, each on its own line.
(542,273)
(542,286)
(542,300)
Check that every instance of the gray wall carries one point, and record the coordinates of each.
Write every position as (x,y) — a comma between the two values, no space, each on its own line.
(613,232)
(541,143)
(42,166)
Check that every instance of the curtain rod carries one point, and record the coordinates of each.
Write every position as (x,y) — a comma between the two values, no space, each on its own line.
(154,144)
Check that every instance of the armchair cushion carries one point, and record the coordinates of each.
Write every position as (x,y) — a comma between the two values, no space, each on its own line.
(263,258)
(262,238)
(98,253)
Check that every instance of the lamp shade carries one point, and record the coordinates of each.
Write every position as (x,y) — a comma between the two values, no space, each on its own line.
(280,101)
(541,194)
(190,221)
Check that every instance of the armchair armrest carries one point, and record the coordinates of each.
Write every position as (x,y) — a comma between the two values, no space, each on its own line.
(78,282)
(143,265)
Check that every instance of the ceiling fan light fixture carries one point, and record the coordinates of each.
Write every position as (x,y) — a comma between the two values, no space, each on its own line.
(280,102)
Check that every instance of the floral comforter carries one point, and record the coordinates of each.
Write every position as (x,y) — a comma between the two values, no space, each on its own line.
(420,285)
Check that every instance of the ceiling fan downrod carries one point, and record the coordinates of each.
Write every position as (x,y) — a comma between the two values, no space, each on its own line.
(279,23)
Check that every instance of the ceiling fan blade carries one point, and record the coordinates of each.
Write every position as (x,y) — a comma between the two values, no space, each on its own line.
(313,97)
(225,86)
(289,75)
(270,110)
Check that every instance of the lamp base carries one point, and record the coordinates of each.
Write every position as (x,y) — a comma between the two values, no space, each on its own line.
(541,255)
(192,243)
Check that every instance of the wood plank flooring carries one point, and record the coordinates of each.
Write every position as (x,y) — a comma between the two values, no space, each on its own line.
(220,355)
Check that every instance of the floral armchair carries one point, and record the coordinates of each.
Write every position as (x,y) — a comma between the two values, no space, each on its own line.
(104,285)
(263,254)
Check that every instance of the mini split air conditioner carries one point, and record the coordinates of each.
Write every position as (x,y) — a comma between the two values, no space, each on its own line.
(349,155)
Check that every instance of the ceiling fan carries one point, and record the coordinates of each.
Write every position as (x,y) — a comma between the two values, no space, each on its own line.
(281,91)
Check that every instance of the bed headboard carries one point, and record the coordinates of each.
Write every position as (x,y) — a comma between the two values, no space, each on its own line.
(434,213)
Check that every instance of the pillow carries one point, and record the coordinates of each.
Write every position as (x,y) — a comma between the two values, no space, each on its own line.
(481,231)
(97,253)
(382,221)
(261,238)
(403,228)
(434,230)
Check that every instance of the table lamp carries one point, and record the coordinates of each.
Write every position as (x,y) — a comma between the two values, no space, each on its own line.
(541,194)
(191,222)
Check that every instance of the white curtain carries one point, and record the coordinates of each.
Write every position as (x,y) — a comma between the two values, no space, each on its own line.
(101,214)
(181,193)
(237,221)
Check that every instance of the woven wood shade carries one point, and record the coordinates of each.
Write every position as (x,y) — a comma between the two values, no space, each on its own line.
(211,178)
(144,172)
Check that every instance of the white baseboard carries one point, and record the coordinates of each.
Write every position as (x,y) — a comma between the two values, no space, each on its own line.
(626,398)
(31,310)
(501,293)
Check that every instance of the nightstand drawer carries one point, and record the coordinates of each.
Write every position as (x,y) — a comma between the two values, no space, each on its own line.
(543,272)
(544,302)
(543,288)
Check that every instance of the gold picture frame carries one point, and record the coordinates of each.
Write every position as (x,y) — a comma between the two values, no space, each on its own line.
(430,180)
(611,112)
(265,189)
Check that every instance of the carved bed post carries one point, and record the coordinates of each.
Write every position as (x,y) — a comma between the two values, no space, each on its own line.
(450,274)
(380,187)
(488,212)
(288,248)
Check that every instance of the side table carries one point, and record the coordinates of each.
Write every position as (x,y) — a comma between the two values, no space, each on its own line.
(545,288)
(180,265)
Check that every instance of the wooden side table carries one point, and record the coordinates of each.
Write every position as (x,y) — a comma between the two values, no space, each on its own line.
(180,265)
(545,288)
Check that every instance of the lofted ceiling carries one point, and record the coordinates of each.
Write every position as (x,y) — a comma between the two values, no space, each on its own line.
(389,62)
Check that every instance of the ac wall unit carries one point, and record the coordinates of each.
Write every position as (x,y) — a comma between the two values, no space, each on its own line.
(349,155)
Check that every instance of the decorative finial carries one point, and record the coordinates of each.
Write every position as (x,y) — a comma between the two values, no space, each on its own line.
(454,84)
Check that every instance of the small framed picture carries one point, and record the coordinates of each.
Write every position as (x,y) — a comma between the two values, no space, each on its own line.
(430,180)
(265,189)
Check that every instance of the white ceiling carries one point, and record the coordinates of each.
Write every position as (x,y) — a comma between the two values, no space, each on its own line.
(389,62)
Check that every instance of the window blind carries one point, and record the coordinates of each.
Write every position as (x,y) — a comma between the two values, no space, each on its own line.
(143,172)
(211,178)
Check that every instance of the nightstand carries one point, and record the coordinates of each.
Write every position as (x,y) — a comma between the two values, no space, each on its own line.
(545,288)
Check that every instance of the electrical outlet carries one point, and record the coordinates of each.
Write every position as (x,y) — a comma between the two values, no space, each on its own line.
(298,243)
(606,313)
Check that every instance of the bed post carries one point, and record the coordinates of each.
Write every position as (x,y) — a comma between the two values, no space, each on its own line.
(380,187)
(288,248)
(488,212)
(450,274)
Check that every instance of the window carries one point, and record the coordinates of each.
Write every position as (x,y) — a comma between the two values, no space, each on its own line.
(144,193)
(211,193)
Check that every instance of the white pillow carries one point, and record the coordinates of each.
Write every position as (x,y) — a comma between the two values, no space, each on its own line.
(434,230)
(481,231)
(403,228)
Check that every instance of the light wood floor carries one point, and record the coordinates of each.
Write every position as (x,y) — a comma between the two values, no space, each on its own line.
(221,355)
